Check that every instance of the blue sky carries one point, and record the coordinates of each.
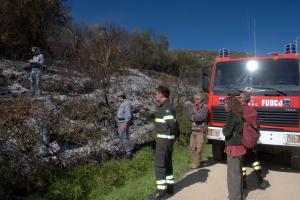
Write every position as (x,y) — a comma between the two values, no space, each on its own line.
(201,25)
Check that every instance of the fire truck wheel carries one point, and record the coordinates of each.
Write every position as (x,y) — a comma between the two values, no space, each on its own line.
(218,150)
(295,158)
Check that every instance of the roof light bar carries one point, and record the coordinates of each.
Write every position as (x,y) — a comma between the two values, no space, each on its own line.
(223,53)
(290,48)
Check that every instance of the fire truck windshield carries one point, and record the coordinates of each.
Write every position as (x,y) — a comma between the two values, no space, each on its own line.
(261,74)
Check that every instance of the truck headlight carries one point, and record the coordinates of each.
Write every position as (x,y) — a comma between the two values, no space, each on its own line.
(293,139)
(214,132)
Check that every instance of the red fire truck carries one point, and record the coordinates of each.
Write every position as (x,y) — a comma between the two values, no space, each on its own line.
(274,84)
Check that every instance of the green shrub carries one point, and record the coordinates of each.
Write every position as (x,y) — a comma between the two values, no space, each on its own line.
(185,126)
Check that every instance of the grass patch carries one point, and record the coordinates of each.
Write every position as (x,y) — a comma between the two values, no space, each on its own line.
(119,179)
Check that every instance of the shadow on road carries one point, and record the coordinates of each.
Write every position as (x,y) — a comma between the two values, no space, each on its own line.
(252,183)
(270,162)
(198,176)
(210,161)
(276,161)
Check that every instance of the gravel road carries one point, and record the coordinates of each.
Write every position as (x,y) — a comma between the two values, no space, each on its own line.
(209,182)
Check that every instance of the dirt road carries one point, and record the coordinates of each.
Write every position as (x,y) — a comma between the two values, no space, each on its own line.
(209,183)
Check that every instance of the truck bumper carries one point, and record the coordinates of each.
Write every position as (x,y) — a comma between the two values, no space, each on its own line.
(267,137)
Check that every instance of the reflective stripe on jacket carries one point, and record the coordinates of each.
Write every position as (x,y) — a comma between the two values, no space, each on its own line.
(165,122)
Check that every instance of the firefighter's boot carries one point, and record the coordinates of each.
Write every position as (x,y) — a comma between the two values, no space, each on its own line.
(260,181)
(244,170)
(244,182)
(170,189)
(158,195)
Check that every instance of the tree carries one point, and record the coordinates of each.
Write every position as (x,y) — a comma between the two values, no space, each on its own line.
(27,23)
(149,50)
(186,68)
(103,53)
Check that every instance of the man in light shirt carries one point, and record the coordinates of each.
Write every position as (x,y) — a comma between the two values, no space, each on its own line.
(36,63)
(124,120)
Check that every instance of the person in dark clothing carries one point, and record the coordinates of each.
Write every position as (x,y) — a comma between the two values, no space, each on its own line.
(167,131)
(250,158)
(233,132)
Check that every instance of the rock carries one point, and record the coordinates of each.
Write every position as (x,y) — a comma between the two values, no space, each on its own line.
(54,147)
(17,89)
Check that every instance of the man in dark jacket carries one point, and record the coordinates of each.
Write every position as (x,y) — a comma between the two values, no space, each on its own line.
(167,131)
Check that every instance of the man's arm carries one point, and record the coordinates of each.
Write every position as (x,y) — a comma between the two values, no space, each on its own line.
(40,59)
(128,113)
(170,118)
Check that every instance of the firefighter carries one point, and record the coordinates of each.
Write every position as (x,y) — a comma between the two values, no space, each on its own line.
(167,131)
(250,158)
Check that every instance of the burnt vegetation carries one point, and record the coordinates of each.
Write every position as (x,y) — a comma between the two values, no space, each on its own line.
(76,51)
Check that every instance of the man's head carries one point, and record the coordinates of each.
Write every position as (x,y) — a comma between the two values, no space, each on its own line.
(35,50)
(162,93)
(121,96)
(245,97)
(198,98)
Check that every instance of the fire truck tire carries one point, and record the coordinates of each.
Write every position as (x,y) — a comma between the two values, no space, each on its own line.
(295,158)
(218,150)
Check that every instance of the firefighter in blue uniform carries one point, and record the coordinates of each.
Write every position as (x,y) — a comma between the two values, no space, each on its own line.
(167,131)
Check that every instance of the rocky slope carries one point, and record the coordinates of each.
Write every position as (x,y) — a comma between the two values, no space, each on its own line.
(70,114)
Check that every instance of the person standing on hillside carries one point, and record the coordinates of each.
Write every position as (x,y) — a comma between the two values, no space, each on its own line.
(124,119)
(167,131)
(198,117)
(233,132)
(36,63)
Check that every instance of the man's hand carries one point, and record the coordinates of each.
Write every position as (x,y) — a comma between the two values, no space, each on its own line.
(125,127)
(30,61)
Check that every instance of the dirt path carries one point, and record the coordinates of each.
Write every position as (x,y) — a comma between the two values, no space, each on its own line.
(209,183)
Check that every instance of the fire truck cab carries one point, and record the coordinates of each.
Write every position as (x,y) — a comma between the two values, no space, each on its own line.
(274,84)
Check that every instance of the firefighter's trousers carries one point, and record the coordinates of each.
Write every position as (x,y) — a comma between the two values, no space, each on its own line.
(163,163)
(251,160)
